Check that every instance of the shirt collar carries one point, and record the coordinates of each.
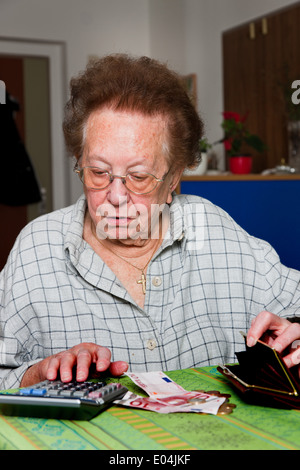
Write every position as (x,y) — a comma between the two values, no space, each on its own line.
(74,239)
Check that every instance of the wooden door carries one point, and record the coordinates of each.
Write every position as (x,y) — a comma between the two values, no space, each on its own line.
(259,58)
(27,80)
(12,218)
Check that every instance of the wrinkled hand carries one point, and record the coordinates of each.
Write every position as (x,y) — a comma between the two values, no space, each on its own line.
(278,333)
(84,357)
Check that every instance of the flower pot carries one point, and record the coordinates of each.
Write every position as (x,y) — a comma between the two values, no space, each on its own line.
(241,165)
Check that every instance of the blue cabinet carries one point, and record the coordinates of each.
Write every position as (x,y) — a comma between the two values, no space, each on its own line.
(267,207)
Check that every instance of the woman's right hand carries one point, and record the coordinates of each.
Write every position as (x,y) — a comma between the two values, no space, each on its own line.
(83,357)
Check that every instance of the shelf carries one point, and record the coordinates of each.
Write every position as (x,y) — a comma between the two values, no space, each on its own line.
(249,177)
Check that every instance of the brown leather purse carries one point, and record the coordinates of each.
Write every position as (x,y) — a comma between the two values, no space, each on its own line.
(262,378)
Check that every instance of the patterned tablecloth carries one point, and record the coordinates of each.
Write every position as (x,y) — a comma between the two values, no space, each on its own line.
(120,428)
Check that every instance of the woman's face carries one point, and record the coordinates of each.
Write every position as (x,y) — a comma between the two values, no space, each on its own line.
(120,142)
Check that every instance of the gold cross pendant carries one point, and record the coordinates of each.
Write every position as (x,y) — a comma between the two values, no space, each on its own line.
(143,282)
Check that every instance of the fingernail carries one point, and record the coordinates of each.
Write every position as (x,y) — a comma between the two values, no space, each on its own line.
(66,377)
(251,341)
(296,359)
(80,376)
(51,375)
(102,365)
(124,367)
(288,362)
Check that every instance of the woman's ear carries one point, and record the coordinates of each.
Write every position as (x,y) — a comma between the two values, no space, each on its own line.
(176,176)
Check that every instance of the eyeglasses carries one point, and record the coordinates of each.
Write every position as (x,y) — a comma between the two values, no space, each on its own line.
(135,181)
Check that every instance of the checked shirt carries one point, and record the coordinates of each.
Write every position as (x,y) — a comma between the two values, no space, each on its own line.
(205,284)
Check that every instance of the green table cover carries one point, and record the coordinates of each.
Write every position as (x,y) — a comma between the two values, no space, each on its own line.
(249,427)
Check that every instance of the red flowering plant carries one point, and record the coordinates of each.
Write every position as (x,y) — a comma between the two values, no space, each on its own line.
(236,135)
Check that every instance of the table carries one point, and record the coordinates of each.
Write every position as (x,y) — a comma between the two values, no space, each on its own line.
(118,428)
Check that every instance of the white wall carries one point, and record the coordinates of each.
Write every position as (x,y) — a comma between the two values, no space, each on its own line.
(185,33)
(98,27)
(167,32)
(87,26)
(205,20)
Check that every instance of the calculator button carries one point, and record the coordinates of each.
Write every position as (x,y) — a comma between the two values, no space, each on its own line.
(66,393)
(79,393)
(95,394)
(53,393)
(39,392)
(36,392)
(25,391)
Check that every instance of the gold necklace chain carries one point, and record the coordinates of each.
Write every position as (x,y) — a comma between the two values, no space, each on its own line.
(142,280)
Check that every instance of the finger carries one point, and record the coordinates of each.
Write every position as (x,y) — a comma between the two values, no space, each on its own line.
(293,358)
(67,362)
(102,358)
(84,360)
(52,368)
(263,322)
(290,335)
(118,368)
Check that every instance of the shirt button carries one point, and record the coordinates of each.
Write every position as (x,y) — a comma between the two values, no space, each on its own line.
(151,344)
(156,281)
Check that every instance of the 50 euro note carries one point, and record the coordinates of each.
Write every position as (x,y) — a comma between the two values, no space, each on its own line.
(166,396)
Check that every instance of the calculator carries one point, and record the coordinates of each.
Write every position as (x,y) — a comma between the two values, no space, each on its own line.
(59,400)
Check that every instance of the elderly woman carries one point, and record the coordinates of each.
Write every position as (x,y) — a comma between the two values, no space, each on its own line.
(133,275)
